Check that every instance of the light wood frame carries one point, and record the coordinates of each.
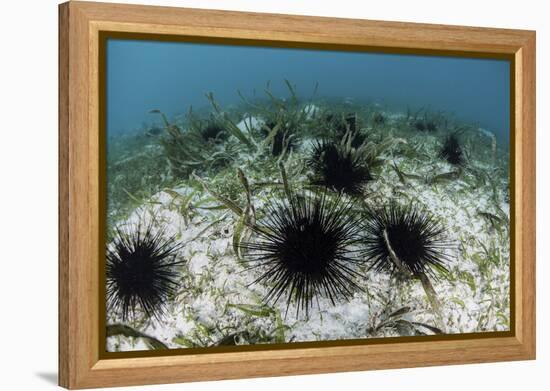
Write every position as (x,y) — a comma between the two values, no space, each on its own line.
(80,23)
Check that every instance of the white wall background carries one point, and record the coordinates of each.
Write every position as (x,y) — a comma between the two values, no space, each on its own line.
(28,196)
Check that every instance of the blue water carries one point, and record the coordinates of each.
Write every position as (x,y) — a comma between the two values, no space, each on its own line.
(145,75)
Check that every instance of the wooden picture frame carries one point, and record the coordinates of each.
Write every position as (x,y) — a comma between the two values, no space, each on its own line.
(81,364)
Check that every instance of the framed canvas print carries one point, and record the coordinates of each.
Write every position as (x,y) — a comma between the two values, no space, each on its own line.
(248,195)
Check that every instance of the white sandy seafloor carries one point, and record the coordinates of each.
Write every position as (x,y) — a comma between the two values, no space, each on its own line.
(216,305)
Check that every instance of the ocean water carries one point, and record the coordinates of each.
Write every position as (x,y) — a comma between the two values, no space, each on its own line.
(145,75)
(273,195)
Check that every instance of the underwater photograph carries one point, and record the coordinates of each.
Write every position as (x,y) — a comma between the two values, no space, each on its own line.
(273,195)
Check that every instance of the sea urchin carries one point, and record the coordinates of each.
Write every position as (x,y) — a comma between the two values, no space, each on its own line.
(419,125)
(452,151)
(140,271)
(212,131)
(404,238)
(283,140)
(338,167)
(378,119)
(305,249)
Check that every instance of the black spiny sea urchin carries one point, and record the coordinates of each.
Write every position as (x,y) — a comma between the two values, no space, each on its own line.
(140,271)
(339,168)
(283,140)
(378,119)
(431,126)
(452,151)
(305,249)
(212,131)
(419,125)
(404,238)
